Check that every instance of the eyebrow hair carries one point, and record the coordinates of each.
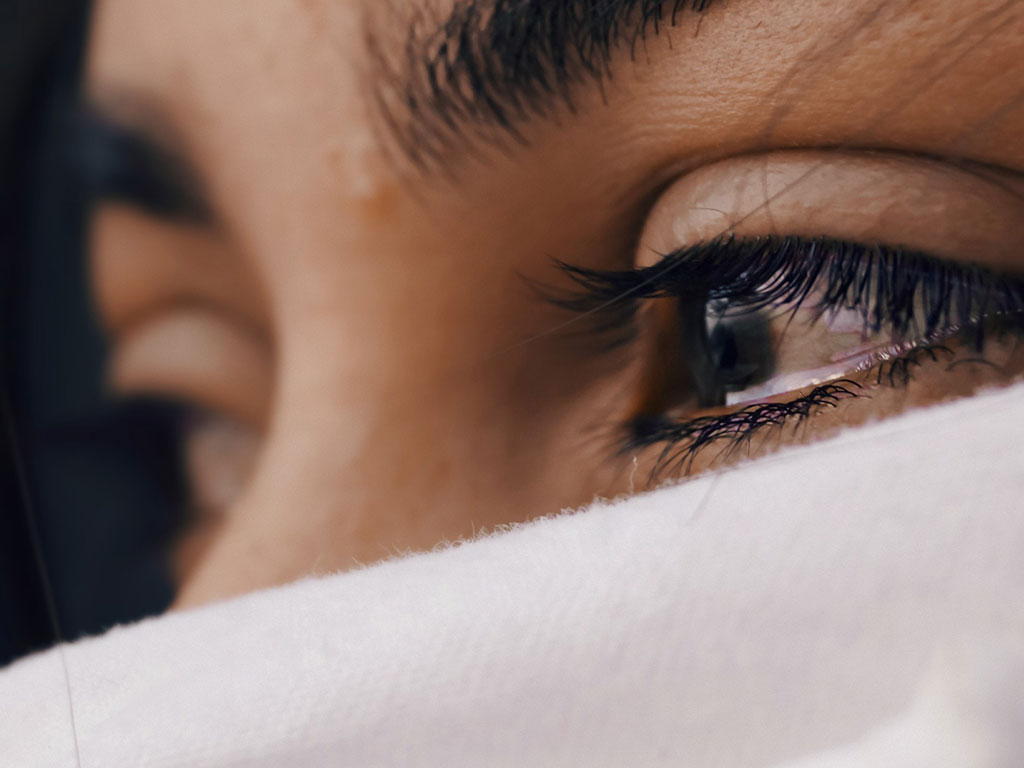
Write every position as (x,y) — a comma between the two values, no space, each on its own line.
(491,65)
(124,162)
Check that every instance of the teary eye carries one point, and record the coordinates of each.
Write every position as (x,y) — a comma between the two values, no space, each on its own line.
(864,305)
(780,327)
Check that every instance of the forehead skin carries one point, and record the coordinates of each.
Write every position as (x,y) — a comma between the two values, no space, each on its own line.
(878,67)
(275,102)
(374,269)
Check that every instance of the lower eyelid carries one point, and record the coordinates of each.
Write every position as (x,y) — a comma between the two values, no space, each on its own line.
(197,355)
(873,359)
(684,434)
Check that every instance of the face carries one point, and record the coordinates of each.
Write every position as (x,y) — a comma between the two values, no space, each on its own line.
(411,292)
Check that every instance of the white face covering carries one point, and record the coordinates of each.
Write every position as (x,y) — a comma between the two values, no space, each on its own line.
(855,602)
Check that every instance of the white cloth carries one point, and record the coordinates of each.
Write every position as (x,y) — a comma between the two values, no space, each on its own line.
(853,603)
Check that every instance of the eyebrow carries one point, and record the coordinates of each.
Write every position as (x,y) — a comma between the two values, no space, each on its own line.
(125,162)
(489,66)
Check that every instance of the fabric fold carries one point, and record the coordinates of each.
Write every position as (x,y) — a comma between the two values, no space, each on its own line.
(789,612)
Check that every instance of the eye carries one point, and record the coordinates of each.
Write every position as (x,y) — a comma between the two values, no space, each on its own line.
(185,322)
(759,332)
(186,317)
(796,313)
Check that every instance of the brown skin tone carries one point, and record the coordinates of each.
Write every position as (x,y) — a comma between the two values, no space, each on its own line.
(368,322)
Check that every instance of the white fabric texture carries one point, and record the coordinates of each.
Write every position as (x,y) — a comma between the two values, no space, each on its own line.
(848,604)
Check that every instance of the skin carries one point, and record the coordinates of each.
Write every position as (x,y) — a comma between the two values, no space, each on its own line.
(360,326)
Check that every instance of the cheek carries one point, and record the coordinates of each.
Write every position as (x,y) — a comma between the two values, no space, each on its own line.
(220,461)
(358,464)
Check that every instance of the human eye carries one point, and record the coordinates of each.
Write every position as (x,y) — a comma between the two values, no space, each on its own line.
(182,310)
(748,340)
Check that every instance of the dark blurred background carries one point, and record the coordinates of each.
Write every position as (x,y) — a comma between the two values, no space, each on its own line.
(90,516)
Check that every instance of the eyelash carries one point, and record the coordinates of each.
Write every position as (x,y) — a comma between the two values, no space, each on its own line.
(906,293)
(684,440)
(884,283)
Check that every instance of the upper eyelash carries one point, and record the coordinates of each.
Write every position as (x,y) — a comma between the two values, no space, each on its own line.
(893,288)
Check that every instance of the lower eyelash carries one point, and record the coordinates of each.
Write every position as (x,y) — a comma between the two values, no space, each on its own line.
(685,439)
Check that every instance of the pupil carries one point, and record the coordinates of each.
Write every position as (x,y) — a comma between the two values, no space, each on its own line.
(724,352)
(740,348)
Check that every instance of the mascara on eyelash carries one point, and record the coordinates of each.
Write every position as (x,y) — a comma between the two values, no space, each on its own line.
(908,293)
(684,440)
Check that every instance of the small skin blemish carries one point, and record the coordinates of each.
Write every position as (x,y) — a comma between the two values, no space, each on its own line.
(366,181)
(380,202)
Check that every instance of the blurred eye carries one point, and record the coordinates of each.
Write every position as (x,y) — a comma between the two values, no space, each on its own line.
(196,355)
(184,310)
(186,323)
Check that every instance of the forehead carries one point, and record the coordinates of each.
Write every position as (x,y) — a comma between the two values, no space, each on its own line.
(251,90)
(435,75)
(208,57)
